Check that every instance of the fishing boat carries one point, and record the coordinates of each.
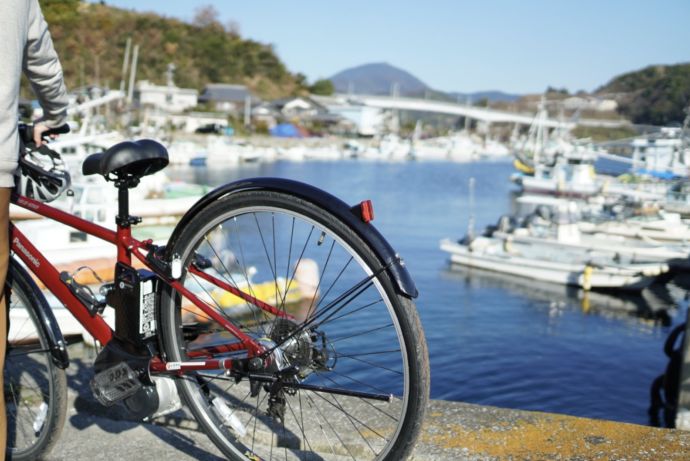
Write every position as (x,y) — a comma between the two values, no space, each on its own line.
(160,208)
(653,304)
(677,199)
(566,236)
(296,295)
(664,154)
(540,262)
(661,227)
(157,198)
(567,176)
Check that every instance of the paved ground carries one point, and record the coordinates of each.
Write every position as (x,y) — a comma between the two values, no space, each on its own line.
(453,431)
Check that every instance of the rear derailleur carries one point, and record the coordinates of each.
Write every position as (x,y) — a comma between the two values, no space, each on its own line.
(294,355)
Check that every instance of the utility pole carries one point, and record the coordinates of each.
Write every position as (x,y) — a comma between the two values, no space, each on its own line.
(132,75)
(395,93)
(125,62)
(247,110)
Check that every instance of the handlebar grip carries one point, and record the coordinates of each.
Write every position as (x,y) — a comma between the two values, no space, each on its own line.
(62,129)
(27,132)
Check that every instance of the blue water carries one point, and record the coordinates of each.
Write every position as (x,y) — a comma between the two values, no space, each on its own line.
(497,340)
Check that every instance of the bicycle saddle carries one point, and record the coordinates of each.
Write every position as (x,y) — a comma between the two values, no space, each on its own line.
(128,159)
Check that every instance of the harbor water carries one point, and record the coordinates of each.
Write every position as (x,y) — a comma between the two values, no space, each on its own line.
(493,339)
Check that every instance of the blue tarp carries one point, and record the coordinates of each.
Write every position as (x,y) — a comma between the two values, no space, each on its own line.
(285,130)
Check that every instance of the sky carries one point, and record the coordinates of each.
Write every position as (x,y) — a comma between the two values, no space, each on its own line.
(457,45)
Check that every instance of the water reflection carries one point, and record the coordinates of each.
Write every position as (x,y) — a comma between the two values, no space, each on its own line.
(654,305)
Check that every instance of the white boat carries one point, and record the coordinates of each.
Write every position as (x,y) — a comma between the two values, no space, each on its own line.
(156,199)
(322,153)
(393,148)
(564,178)
(493,149)
(539,263)
(291,154)
(567,237)
(463,147)
(22,327)
(651,304)
(433,149)
(663,154)
(662,227)
(182,152)
(677,199)
(74,147)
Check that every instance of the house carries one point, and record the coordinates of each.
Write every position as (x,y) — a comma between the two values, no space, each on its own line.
(227,98)
(165,97)
(188,122)
(265,113)
(298,108)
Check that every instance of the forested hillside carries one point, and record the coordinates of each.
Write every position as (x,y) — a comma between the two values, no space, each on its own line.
(655,95)
(91,38)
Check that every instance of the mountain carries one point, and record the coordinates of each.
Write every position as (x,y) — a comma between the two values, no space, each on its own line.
(380,78)
(655,95)
(377,78)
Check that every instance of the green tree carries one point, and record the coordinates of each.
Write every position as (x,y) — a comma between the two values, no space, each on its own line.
(655,95)
(90,39)
(482,102)
(322,87)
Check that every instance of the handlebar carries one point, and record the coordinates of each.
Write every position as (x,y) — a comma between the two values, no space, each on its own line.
(26,132)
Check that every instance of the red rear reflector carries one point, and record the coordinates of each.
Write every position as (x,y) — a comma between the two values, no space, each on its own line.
(367,211)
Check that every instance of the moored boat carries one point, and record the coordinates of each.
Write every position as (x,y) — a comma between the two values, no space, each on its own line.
(540,263)
(567,237)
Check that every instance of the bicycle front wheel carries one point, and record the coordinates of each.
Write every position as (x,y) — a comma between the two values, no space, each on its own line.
(35,388)
(345,370)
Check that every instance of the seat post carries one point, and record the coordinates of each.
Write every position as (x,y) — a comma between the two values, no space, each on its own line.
(122,218)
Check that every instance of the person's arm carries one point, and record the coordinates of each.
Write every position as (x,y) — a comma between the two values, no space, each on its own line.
(42,68)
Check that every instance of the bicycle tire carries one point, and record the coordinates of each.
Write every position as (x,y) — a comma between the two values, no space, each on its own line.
(241,230)
(35,388)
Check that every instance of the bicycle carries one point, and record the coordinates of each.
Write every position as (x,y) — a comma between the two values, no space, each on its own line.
(329,365)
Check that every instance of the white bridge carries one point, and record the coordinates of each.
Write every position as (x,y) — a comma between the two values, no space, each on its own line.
(473,112)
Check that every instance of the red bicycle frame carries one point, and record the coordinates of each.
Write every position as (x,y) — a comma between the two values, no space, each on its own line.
(127,246)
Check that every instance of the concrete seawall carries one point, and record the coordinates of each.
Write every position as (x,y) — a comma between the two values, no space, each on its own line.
(471,432)
(452,431)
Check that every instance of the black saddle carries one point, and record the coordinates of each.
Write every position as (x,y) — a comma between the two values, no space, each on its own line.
(127,160)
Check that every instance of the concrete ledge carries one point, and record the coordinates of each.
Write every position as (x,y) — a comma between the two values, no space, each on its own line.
(457,431)
(452,431)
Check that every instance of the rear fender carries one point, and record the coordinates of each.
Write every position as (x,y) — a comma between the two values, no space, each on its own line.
(384,252)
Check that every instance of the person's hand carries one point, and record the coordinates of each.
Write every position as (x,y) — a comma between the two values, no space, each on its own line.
(39,129)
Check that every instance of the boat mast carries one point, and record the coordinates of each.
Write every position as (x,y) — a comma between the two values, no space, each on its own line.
(470,222)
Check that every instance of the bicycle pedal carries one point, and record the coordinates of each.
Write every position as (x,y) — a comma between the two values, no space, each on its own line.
(114,384)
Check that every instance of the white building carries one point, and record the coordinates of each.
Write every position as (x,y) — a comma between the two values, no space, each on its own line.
(228,98)
(188,122)
(590,103)
(168,98)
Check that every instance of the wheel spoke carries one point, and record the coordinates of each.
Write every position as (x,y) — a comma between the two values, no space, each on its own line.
(333,379)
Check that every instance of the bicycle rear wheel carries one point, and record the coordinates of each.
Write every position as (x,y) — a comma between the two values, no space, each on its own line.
(349,373)
(35,389)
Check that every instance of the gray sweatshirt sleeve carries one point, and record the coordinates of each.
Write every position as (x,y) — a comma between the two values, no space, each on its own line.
(43,69)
